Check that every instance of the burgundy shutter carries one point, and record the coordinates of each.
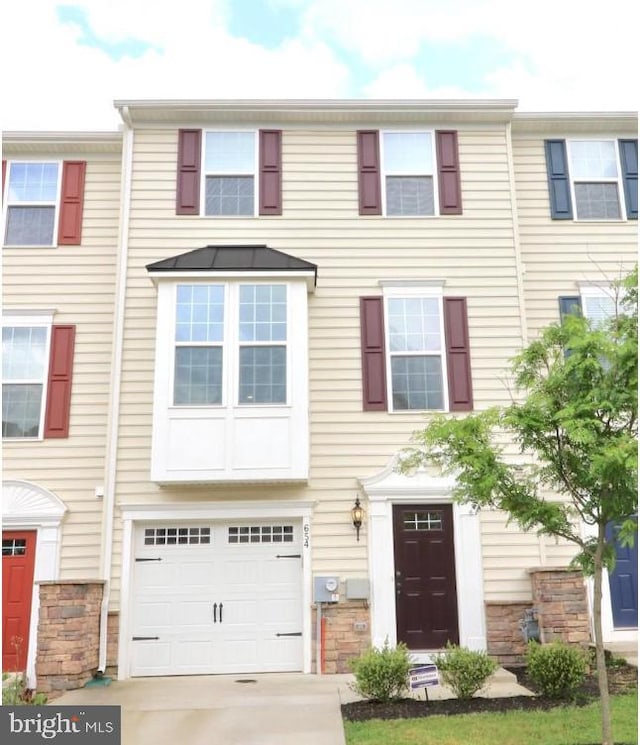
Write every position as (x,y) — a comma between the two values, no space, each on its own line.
(188,180)
(374,386)
(448,172)
(456,331)
(270,189)
(369,193)
(71,203)
(56,421)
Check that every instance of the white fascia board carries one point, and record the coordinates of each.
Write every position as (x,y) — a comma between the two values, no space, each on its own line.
(308,276)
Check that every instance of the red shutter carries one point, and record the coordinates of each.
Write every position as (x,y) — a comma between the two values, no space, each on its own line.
(188,179)
(56,421)
(71,203)
(456,331)
(270,189)
(369,194)
(374,386)
(448,172)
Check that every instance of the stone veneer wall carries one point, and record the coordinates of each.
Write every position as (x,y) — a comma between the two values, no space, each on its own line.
(504,636)
(68,634)
(560,597)
(347,634)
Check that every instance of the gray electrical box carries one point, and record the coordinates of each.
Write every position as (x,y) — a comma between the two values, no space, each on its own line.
(326,589)
(357,588)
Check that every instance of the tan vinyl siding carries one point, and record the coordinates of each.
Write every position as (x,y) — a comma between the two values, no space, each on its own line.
(558,254)
(79,283)
(320,223)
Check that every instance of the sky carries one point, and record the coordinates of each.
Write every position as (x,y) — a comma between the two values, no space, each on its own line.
(64,63)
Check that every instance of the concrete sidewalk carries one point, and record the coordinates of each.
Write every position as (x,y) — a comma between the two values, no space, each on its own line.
(274,709)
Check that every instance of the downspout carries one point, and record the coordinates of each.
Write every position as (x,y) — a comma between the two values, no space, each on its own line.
(108,510)
(519,266)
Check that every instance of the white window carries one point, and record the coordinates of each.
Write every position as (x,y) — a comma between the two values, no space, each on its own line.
(595,179)
(245,347)
(32,197)
(408,164)
(415,350)
(25,363)
(199,344)
(230,173)
(263,350)
(598,303)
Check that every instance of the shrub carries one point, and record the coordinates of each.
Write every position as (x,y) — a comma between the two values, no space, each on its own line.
(464,670)
(15,692)
(381,674)
(556,669)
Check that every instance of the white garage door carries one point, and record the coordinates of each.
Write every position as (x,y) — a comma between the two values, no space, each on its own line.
(217,598)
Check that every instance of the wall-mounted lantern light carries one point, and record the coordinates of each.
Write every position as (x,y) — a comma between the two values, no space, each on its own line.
(357,515)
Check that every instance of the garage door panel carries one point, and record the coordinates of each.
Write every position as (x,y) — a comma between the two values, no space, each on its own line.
(174,599)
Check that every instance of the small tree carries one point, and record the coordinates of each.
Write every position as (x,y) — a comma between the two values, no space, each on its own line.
(577,423)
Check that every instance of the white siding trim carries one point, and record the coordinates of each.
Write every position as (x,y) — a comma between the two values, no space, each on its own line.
(383,491)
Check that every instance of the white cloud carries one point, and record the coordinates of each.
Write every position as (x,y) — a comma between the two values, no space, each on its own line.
(567,54)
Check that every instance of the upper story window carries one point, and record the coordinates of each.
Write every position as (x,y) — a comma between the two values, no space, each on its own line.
(595,177)
(25,358)
(245,347)
(416,353)
(408,166)
(410,173)
(598,303)
(592,179)
(230,173)
(37,372)
(32,200)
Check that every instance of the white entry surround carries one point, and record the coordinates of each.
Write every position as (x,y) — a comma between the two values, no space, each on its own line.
(187,512)
(390,487)
(27,506)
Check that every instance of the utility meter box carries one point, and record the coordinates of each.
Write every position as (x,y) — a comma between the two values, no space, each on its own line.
(357,588)
(325,589)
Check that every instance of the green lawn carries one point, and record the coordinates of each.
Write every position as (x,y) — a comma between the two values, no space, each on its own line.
(561,726)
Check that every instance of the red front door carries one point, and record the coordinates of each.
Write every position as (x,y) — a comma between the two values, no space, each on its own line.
(18,560)
(426,603)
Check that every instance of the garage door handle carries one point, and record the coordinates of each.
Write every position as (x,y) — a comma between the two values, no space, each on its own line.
(215,613)
(144,638)
(220,612)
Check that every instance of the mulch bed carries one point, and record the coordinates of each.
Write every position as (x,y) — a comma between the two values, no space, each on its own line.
(621,679)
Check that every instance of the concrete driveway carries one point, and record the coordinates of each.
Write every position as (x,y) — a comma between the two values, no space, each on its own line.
(273,709)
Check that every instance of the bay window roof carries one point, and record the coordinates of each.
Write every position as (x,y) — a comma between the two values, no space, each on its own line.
(236,259)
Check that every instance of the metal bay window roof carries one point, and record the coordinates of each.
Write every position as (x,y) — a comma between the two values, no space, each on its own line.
(234,259)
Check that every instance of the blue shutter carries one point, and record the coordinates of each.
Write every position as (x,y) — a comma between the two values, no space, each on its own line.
(570,306)
(629,162)
(558,178)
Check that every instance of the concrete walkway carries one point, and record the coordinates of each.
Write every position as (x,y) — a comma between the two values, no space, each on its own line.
(275,709)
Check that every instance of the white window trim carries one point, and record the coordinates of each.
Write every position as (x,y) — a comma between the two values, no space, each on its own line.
(231,347)
(205,173)
(6,204)
(603,180)
(416,289)
(418,172)
(43,319)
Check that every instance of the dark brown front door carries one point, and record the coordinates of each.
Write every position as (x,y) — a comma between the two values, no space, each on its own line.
(426,604)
